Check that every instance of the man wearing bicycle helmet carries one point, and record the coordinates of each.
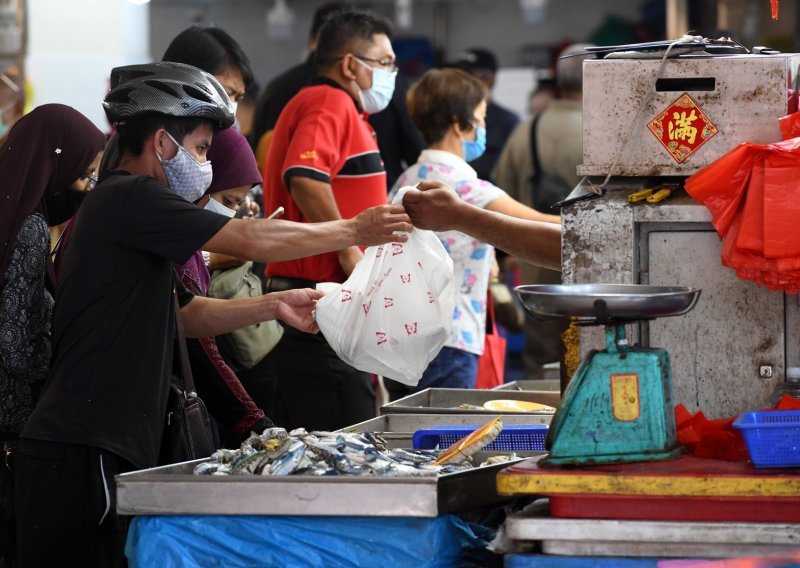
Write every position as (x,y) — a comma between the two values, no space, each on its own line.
(102,412)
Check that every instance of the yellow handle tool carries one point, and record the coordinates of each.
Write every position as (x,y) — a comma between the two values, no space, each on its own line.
(640,196)
(659,195)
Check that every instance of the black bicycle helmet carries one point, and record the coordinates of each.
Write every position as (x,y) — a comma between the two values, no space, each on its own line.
(168,88)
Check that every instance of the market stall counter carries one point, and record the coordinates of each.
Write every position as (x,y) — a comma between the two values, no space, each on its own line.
(315,499)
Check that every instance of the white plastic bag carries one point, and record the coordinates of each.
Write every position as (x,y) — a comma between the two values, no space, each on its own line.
(393,315)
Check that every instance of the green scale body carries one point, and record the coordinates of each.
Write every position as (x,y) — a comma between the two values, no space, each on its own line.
(617,408)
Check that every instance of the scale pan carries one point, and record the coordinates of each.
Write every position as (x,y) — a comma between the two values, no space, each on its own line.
(606,303)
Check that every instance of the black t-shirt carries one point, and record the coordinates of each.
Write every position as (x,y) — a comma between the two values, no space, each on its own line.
(113,319)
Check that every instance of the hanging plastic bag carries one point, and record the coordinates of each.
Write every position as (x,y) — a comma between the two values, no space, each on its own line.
(393,315)
(721,185)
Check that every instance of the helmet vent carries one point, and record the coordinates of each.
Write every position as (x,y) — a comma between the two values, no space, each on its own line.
(163,87)
(119,95)
(197,94)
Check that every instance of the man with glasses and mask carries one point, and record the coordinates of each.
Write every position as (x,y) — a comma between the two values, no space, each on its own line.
(323,164)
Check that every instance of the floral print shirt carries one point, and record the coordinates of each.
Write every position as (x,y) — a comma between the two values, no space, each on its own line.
(472,259)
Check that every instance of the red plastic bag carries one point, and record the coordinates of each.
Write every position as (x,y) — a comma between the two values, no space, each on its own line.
(721,185)
(790,124)
(704,438)
(491,365)
(753,194)
(781,204)
(751,231)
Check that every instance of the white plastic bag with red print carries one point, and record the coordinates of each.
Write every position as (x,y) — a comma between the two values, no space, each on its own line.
(393,315)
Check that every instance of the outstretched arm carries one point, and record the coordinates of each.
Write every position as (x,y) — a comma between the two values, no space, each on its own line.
(436,207)
(207,317)
(272,240)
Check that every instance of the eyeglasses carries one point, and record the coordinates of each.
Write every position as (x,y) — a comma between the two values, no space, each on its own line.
(92,180)
(388,63)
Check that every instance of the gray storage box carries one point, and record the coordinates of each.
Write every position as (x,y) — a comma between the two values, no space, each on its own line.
(743,96)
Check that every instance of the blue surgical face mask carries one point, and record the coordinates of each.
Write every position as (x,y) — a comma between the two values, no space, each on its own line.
(474,149)
(378,96)
(217,207)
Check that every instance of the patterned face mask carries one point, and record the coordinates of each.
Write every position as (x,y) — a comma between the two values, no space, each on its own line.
(185,175)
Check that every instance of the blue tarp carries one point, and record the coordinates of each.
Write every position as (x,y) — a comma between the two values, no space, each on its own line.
(286,542)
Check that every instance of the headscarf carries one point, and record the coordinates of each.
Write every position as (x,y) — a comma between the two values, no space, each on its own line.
(233,162)
(46,150)
(234,165)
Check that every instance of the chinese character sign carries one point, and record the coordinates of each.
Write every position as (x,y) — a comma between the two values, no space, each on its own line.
(682,128)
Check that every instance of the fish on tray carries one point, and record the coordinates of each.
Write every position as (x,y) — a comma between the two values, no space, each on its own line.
(276,452)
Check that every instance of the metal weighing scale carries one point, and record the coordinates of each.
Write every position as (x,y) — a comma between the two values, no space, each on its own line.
(618,406)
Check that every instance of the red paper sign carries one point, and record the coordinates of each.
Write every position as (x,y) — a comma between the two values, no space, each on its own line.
(682,128)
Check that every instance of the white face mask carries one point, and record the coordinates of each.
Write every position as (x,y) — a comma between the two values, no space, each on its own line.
(378,96)
(185,175)
(217,207)
(236,126)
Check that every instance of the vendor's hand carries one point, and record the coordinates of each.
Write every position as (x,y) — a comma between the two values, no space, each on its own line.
(348,258)
(295,307)
(382,224)
(433,206)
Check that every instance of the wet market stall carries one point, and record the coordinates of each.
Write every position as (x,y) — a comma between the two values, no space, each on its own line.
(663,446)
(640,459)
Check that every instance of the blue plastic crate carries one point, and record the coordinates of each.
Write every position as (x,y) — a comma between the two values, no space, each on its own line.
(514,437)
(772,437)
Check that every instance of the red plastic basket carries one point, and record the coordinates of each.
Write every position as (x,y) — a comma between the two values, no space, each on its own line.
(772,437)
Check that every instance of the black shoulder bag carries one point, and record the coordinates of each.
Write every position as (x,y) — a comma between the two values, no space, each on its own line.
(546,189)
(187,429)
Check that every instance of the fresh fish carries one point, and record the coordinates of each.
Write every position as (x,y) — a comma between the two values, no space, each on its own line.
(225,455)
(278,452)
(206,468)
(375,440)
(502,458)
(224,469)
(247,462)
(349,441)
(289,461)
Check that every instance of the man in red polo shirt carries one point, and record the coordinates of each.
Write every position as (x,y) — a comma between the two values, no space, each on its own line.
(323,164)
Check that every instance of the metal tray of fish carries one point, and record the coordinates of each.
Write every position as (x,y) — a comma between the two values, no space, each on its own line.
(398,429)
(175,490)
(469,401)
(531,385)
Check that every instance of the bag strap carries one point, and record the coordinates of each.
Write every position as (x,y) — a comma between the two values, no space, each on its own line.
(537,167)
(186,369)
(491,326)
